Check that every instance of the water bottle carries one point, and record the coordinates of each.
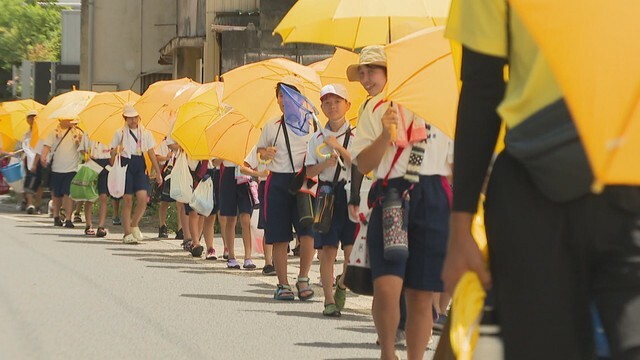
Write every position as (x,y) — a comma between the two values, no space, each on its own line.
(394,229)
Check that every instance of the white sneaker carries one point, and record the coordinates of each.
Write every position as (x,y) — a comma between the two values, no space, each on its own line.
(137,234)
(129,239)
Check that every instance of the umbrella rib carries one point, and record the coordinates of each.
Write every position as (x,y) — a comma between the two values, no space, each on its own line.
(420,69)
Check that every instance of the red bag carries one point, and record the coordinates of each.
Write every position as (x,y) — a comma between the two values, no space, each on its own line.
(4,187)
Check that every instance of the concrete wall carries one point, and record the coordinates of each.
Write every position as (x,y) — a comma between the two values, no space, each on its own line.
(126,37)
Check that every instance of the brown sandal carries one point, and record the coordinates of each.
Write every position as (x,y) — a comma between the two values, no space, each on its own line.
(101,232)
(89,231)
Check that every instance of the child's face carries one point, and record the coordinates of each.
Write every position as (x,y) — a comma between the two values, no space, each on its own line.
(334,107)
(372,78)
(132,122)
(280,101)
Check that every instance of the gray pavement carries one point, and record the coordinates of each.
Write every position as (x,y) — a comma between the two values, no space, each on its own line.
(64,295)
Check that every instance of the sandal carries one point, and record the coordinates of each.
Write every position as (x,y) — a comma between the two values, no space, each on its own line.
(340,294)
(89,231)
(306,289)
(284,292)
(331,310)
(186,244)
(196,251)
(101,232)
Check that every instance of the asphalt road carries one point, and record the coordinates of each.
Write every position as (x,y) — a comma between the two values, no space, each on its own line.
(64,295)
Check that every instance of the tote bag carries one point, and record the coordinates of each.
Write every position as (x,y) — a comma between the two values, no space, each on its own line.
(202,200)
(117,178)
(181,181)
(358,277)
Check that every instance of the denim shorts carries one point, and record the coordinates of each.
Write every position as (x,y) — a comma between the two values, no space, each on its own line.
(428,230)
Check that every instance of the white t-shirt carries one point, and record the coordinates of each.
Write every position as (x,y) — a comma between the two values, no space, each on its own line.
(130,145)
(162,150)
(438,153)
(66,157)
(96,149)
(312,156)
(273,133)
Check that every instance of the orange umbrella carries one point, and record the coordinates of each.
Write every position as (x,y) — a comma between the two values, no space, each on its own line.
(44,123)
(250,89)
(155,100)
(13,117)
(102,117)
(421,76)
(592,51)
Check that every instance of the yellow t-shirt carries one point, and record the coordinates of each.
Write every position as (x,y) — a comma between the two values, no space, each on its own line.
(481,26)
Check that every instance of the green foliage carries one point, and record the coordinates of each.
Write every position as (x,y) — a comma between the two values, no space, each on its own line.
(29,30)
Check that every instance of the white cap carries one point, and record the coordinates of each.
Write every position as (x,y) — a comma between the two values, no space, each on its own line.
(32,112)
(129,110)
(336,89)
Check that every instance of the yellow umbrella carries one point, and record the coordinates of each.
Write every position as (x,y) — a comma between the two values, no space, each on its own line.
(356,23)
(44,123)
(205,131)
(8,144)
(595,58)
(250,89)
(155,100)
(13,120)
(102,117)
(421,76)
(335,71)
(210,93)
(468,298)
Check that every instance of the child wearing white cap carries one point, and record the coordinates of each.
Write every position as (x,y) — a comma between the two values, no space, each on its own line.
(325,146)
(131,142)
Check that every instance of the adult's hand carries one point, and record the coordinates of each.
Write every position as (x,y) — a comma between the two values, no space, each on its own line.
(463,254)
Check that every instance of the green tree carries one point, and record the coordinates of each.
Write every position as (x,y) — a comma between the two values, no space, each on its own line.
(29,30)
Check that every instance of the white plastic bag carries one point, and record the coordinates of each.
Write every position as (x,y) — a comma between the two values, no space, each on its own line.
(117,177)
(202,199)
(181,180)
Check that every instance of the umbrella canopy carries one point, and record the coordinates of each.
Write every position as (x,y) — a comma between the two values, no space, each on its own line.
(353,24)
(335,72)
(599,75)
(45,123)
(13,117)
(421,76)
(250,89)
(205,131)
(153,104)
(103,115)
(8,144)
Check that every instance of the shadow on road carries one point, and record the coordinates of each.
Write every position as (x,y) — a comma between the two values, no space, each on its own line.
(340,345)
(359,329)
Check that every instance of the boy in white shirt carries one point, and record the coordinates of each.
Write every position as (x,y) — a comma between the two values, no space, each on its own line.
(131,142)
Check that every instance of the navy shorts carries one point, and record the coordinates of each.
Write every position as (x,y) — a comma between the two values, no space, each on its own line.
(137,178)
(428,232)
(102,177)
(234,198)
(212,174)
(342,229)
(32,181)
(61,183)
(281,211)
(262,222)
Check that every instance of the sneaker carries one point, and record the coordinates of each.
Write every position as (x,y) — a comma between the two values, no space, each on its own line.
(68,224)
(77,218)
(57,221)
(233,264)
(163,232)
(31,209)
(269,270)
(179,235)
(129,239)
(135,231)
(225,254)
(248,264)
(211,254)
(438,323)
(116,221)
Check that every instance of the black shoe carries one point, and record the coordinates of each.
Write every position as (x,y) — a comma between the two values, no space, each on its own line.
(269,270)
(69,225)
(162,232)
(179,235)
(57,221)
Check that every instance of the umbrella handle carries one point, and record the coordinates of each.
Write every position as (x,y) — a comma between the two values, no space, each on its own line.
(327,156)
(263,161)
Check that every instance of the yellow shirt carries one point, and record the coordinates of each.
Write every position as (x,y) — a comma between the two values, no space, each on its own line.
(481,26)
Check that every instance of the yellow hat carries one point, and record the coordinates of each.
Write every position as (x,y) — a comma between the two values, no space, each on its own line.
(370,55)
